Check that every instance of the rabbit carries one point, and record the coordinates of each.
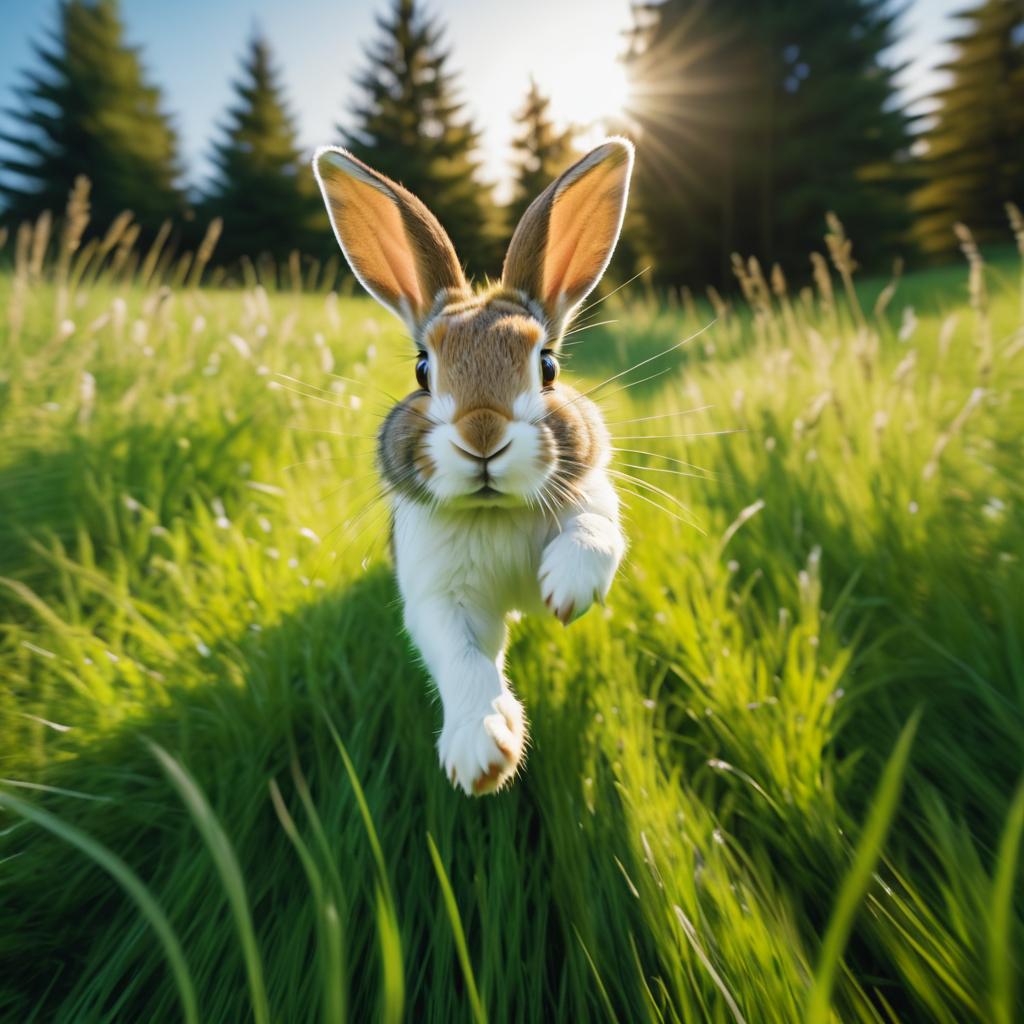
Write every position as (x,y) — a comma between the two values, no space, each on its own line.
(496,470)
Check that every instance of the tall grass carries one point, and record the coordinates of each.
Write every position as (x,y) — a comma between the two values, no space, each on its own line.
(777,778)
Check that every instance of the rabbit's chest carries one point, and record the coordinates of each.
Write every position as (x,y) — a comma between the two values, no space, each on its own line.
(489,559)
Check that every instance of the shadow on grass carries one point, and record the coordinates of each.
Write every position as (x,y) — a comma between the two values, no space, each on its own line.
(523,865)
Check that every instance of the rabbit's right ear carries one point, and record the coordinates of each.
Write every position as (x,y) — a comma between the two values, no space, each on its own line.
(392,242)
(566,238)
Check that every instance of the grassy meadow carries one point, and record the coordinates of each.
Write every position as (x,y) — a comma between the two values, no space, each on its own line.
(777,779)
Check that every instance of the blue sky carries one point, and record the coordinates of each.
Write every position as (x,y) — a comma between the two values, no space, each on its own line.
(192,47)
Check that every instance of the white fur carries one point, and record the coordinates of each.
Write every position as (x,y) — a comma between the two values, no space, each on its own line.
(461,573)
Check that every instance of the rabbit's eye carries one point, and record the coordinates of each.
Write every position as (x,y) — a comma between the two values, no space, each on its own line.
(548,368)
(421,371)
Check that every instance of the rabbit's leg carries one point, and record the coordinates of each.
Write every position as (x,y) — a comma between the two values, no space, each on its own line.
(484,731)
(579,562)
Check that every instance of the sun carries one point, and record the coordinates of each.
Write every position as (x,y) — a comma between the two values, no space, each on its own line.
(589,93)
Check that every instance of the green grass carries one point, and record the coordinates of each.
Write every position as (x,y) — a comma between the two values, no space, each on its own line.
(777,779)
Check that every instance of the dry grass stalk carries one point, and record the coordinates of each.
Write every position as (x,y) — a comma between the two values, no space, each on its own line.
(249,275)
(946,332)
(312,273)
(205,252)
(823,282)
(689,305)
(330,274)
(1017,224)
(76,219)
(181,269)
(40,243)
(115,232)
(780,289)
(718,304)
(81,262)
(19,286)
(125,245)
(740,272)
(887,293)
(150,262)
(978,294)
(840,249)
(942,441)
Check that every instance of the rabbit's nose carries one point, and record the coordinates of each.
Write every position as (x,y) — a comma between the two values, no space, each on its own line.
(482,433)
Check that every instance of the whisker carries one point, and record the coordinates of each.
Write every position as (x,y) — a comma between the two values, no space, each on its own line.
(646,485)
(666,437)
(604,298)
(630,369)
(305,384)
(604,398)
(659,416)
(653,488)
(333,433)
(665,469)
(278,386)
(651,359)
(324,391)
(587,327)
(658,455)
(667,511)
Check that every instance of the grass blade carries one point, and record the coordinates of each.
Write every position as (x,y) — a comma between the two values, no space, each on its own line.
(858,878)
(227,867)
(331,953)
(460,936)
(129,881)
(388,932)
(1002,954)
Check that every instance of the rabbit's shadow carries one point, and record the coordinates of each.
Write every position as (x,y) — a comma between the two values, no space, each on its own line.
(340,663)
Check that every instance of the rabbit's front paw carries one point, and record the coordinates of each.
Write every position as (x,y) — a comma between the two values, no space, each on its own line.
(575,572)
(481,753)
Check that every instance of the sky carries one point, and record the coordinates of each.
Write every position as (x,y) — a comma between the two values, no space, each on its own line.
(192,48)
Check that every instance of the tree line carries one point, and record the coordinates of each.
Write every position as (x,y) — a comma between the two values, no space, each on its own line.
(753,119)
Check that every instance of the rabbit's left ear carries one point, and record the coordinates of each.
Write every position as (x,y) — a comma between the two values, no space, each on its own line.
(392,242)
(566,238)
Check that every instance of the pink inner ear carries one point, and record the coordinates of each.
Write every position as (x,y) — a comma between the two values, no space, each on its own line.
(371,229)
(582,229)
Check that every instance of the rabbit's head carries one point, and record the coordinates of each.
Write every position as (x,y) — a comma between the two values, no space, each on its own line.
(490,424)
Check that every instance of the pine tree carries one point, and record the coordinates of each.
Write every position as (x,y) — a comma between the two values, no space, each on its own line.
(262,188)
(91,111)
(754,120)
(974,152)
(542,152)
(410,125)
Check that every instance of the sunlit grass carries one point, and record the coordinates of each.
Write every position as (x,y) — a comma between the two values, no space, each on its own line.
(218,747)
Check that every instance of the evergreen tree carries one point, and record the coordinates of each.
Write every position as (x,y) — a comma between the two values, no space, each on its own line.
(754,120)
(91,111)
(410,125)
(262,188)
(974,152)
(542,152)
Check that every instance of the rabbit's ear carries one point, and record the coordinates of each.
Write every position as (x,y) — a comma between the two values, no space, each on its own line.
(564,241)
(392,242)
